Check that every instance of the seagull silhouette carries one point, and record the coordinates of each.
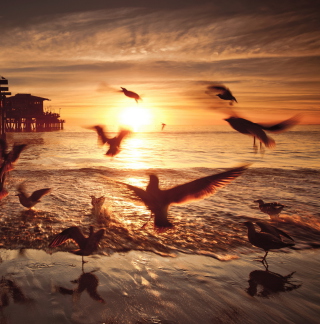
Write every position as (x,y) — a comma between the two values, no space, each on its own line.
(163,126)
(267,228)
(272,209)
(8,158)
(114,143)
(29,201)
(224,94)
(158,201)
(245,126)
(87,245)
(265,241)
(131,94)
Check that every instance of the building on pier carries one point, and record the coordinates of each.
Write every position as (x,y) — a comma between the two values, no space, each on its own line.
(25,113)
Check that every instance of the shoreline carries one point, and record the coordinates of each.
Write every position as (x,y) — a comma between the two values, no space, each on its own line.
(142,287)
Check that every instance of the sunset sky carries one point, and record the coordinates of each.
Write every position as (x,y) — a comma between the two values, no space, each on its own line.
(79,53)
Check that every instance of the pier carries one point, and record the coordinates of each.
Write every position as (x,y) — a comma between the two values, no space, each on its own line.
(25,113)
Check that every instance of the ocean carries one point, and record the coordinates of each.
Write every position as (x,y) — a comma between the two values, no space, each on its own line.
(72,164)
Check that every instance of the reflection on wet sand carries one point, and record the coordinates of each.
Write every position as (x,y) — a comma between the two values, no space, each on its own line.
(270,282)
(87,281)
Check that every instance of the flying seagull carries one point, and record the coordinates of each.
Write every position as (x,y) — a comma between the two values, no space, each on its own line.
(158,201)
(267,228)
(29,201)
(272,209)
(265,241)
(224,92)
(245,126)
(87,245)
(8,158)
(114,143)
(131,94)
(163,126)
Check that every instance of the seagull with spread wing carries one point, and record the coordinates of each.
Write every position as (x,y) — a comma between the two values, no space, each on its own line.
(29,201)
(87,245)
(158,201)
(245,126)
(114,143)
(131,94)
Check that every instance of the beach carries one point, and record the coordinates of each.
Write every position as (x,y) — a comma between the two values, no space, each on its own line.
(203,270)
(141,287)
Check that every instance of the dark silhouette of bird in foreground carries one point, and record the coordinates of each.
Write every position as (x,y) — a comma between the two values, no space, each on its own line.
(29,201)
(87,245)
(87,281)
(224,92)
(267,228)
(114,143)
(8,158)
(272,209)
(131,94)
(245,126)
(265,241)
(163,126)
(158,201)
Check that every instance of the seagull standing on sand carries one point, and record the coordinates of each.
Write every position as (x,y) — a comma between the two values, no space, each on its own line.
(131,94)
(265,241)
(114,142)
(272,209)
(224,92)
(158,201)
(245,126)
(29,201)
(87,245)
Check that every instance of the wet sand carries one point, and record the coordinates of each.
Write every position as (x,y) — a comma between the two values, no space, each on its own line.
(141,287)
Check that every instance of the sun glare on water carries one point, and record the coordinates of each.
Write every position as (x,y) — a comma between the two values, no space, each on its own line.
(135,117)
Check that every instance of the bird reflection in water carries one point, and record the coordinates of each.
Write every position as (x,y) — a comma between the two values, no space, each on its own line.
(87,281)
(270,282)
(8,288)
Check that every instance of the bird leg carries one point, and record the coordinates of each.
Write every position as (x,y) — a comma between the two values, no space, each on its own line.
(255,147)
(264,261)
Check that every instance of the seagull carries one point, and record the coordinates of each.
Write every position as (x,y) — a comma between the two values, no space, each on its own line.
(131,94)
(267,228)
(245,126)
(114,142)
(9,157)
(265,241)
(224,94)
(3,191)
(87,245)
(29,201)
(163,126)
(158,201)
(272,209)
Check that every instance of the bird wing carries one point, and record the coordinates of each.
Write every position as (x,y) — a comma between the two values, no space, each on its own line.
(72,233)
(3,148)
(217,88)
(36,195)
(140,193)
(15,152)
(273,230)
(101,134)
(286,124)
(21,189)
(202,187)
(123,133)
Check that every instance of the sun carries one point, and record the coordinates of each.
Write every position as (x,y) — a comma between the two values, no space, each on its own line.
(135,117)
